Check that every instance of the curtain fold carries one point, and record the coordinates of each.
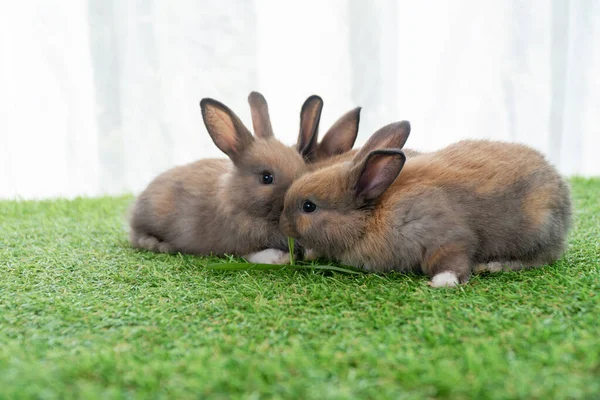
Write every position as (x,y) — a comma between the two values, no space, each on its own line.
(98,97)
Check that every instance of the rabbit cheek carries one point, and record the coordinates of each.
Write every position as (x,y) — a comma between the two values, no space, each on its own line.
(273,203)
(302,225)
(293,225)
(256,203)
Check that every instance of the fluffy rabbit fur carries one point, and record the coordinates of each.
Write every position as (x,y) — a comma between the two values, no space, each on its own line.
(473,205)
(232,206)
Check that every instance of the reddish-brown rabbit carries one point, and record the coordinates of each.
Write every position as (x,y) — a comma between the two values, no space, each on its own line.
(221,206)
(473,205)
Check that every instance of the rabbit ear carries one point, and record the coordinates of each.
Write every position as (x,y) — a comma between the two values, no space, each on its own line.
(310,115)
(374,175)
(392,136)
(341,136)
(225,128)
(260,115)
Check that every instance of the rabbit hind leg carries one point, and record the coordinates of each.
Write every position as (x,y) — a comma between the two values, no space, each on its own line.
(149,242)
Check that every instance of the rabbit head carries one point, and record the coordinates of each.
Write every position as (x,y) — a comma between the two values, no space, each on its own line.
(263,167)
(327,210)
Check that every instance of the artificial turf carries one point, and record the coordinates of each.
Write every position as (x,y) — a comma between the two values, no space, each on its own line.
(82,315)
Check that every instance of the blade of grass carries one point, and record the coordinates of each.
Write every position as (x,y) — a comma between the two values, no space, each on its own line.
(291,249)
(345,269)
(249,266)
(240,266)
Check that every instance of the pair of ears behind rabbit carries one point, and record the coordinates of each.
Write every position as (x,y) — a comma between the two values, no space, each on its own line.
(381,159)
(232,137)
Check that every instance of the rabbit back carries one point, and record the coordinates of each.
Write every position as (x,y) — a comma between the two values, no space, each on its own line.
(186,210)
(503,201)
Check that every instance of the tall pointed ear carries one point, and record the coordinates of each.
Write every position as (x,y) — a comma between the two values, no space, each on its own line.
(392,136)
(310,115)
(260,115)
(225,128)
(376,173)
(341,136)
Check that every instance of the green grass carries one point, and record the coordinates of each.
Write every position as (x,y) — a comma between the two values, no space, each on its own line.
(82,315)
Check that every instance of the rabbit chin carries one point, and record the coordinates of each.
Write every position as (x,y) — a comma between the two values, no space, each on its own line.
(310,255)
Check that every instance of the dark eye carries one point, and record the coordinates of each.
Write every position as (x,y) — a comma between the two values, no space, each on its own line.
(266,178)
(308,206)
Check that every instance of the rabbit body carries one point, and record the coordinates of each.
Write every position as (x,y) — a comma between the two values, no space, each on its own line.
(212,207)
(473,205)
(232,206)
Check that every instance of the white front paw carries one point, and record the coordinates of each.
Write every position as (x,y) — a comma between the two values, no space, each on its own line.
(269,256)
(444,279)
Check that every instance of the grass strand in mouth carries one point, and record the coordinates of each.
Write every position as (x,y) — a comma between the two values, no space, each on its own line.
(291,249)
(240,266)
(244,266)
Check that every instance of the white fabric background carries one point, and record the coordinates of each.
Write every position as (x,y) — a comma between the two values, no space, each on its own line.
(99,96)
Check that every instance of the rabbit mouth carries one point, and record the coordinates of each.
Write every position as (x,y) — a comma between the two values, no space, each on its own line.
(286,228)
(299,244)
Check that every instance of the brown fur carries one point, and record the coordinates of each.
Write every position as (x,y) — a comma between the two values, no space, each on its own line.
(536,206)
(261,120)
(474,202)
(320,164)
(164,203)
(412,153)
(218,206)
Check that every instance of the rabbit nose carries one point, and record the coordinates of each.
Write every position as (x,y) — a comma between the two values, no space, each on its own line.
(286,227)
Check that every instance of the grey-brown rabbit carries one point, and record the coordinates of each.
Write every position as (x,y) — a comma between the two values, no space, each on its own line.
(475,204)
(232,206)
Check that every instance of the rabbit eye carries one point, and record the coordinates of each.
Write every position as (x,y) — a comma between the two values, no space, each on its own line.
(308,206)
(266,178)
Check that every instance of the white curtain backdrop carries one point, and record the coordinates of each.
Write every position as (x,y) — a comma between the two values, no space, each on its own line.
(99,96)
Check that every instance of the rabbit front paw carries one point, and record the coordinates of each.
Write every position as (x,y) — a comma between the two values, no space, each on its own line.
(269,256)
(444,279)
